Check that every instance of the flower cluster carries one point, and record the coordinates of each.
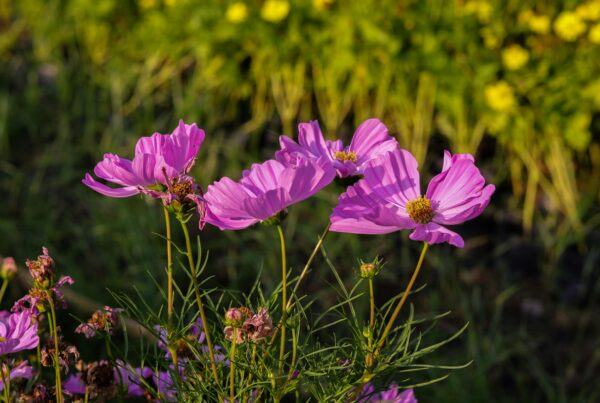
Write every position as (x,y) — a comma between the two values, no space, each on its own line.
(247,325)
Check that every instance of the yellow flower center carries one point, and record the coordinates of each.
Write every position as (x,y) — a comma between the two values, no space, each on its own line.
(419,210)
(2,339)
(345,156)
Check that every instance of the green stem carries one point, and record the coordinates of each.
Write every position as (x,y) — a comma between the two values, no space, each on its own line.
(54,330)
(294,355)
(3,289)
(232,366)
(402,300)
(169,270)
(283,297)
(86,398)
(190,256)
(169,283)
(369,358)
(6,380)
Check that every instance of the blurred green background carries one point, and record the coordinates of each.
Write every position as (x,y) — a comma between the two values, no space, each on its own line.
(516,83)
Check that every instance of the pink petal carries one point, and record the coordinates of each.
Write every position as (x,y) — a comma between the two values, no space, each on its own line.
(117,170)
(394,177)
(461,183)
(450,159)
(307,179)
(361,211)
(266,205)
(263,177)
(368,138)
(433,233)
(311,137)
(470,209)
(144,167)
(108,191)
(185,142)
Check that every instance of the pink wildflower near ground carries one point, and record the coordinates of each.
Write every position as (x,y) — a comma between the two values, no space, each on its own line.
(17,332)
(22,371)
(370,140)
(392,395)
(389,199)
(264,191)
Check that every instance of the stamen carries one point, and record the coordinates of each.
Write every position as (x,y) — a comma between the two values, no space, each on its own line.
(419,210)
(345,156)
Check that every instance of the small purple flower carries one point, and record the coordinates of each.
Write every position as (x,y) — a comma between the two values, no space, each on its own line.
(133,379)
(264,191)
(159,169)
(74,385)
(370,140)
(22,371)
(17,332)
(389,199)
(392,395)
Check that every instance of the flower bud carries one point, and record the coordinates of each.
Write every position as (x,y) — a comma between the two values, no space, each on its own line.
(371,269)
(8,270)
(234,317)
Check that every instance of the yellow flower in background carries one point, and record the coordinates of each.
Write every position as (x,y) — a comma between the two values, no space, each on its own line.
(275,10)
(147,4)
(594,35)
(514,57)
(589,11)
(540,24)
(323,5)
(490,39)
(236,13)
(569,26)
(482,9)
(500,96)
(170,3)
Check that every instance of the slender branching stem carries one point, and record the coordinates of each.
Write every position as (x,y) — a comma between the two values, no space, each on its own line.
(54,330)
(5,380)
(369,358)
(283,297)
(3,289)
(302,276)
(390,324)
(232,366)
(169,283)
(190,256)
(409,287)
(169,270)
(294,355)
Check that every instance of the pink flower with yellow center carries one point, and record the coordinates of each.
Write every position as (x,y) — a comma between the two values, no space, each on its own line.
(370,140)
(389,199)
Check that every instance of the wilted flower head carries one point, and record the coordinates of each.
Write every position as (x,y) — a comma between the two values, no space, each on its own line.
(37,299)
(389,199)
(258,326)
(8,268)
(391,395)
(17,332)
(103,320)
(67,354)
(42,270)
(21,371)
(370,140)
(264,191)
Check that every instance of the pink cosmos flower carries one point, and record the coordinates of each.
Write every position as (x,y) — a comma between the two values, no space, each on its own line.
(389,199)
(17,332)
(159,167)
(264,191)
(370,140)
(22,371)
